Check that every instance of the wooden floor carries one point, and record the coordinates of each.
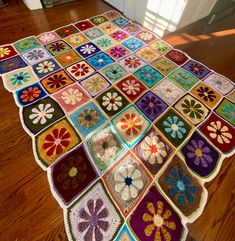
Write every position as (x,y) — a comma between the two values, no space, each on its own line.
(28,212)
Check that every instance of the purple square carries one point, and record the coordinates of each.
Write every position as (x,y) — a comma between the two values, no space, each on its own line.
(87,49)
(197,69)
(151,105)
(200,156)
(154,207)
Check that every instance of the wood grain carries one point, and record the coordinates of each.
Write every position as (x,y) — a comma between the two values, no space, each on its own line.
(28,211)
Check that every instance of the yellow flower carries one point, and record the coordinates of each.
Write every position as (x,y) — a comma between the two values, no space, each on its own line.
(95,84)
(4,51)
(159,221)
(148,54)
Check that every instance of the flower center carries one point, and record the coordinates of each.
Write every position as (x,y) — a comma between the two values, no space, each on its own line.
(151,105)
(100,60)
(112,100)
(105,145)
(115,72)
(132,61)
(57,141)
(198,152)
(73,172)
(174,127)
(168,90)
(128,181)
(154,149)
(158,220)
(149,75)
(232,113)
(20,77)
(93,220)
(205,93)
(180,185)
(68,57)
(218,82)
(88,117)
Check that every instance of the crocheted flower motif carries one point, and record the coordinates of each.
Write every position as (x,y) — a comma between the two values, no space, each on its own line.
(117,52)
(72,172)
(35,54)
(146,36)
(104,42)
(88,118)
(20,78)
(151,104)
(112,101)
(131,87)
(119,35)
(174,126)
(27,43)
(219,132)
(131,124)
(206,94)
(105,146)
(56,81)
(196,68)
(88,49)
(80,69)
(93,220)
(57,47)
(153,149)
(45,38)
(45,67)
(30,94)
(160,224)
(71,96)
(95,84)
(128,182)
(56,141)
(93,33)
(181,186)
(199,153)
(42,113)
(193,109)
(229,111)
(114,72)
(4,52)
(132,62)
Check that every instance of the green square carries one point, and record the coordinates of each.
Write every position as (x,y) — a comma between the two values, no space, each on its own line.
(226,109)
(148,75)
(183,79)
(105,147)
(112,101)
(114,72)
(57,47)
(174,127)
(26,44)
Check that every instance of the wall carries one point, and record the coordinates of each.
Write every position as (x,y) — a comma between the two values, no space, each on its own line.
(33,4)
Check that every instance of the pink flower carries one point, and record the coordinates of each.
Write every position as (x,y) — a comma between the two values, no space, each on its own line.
(119,35)
(117,52)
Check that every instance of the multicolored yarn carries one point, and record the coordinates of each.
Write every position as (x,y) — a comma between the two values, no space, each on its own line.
(128,128)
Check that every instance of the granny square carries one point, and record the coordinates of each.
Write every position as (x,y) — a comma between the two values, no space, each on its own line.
(125,234)
(84,25)
(174,127)
(153,150)
(47,38)
(68,58)
(117,52)
(112,14)
(132,28)
(131,63)
(93,216)
(181,187)
(192,109)
(120,35)
(151,105)
(54,141)
(120,21)
(39,115)
(131,87)
(132,44)
(36,55)
(97,20)
(200,156)
(87,49)
(154,219)
(160,46)
(76,39)
(100,60)
(112,101)
(80,70)
(105,42)
(105,147)
(95,84)
(108,27)
(148,75)
(146,36)
(66,31)
(126,181)
(57,47)
(26,44)
(147,54)
(131,125)
(46,67)
(164,65)
(176,56)
(72,174)
(87,118)
(219,132)
(114,72)
(7,51)
(71,97)
(93,33)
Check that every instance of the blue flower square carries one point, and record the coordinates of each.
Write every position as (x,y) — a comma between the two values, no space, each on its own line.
(120,22)
(133,44)
(45,67)
(87,118)
(11,64)
(29,94)
(100,60)
(87,49)
(148,75)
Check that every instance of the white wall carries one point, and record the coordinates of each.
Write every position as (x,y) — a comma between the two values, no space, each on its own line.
(119,4)
(33,4)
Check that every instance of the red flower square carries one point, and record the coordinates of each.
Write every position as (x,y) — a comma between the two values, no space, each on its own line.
(84,25)
(219,132)
(176,56)
(131,87)
(6,52)
(80,69)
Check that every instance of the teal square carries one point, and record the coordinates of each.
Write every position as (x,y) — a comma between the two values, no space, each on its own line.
(133,44)
(27,44)
(88,118)
(148,75)
(93,33)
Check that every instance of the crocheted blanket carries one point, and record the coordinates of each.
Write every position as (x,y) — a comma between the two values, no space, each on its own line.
(128,128)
